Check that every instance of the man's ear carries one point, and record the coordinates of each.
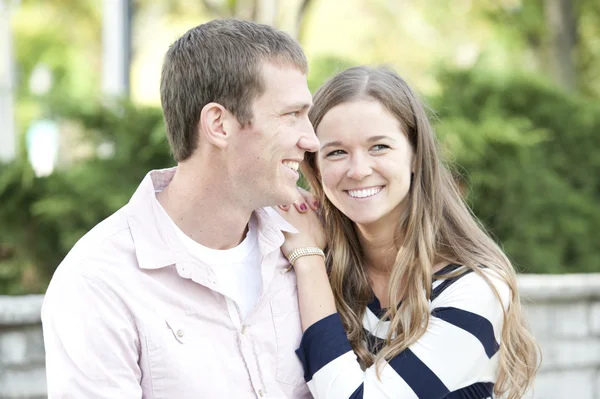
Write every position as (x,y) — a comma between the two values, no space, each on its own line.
(216,125)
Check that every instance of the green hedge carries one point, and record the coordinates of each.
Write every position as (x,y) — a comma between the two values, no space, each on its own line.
(42,218)
(528,152)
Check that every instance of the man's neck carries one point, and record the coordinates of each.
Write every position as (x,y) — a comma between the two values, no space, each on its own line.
(204,209)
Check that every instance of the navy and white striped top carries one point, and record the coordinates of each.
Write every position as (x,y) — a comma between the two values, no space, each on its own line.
(456,358)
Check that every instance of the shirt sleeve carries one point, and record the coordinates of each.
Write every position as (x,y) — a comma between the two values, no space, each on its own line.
(461,337)
(91,342)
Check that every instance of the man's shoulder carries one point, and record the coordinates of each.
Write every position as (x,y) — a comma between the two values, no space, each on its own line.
(108,244)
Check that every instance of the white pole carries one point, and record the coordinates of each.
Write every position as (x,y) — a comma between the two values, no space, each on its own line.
(8,141)
(115,47)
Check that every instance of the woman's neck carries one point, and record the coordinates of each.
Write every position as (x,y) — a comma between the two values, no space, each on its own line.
(380,248)
(379,245)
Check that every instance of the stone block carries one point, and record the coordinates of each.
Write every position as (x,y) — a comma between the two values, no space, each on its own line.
(35,351)
(540,318)
(13,348)
(567,384)
(570,320)
(21,346)
(570,354)
(25,383)
(595,320)
(19,310)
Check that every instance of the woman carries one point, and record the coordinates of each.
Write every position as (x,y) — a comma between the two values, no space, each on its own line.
(416,300)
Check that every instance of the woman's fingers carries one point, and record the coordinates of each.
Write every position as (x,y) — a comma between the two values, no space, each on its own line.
(301,206)
(306,200)
(309,198)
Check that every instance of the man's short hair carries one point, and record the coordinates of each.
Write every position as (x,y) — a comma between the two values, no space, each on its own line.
(219,61)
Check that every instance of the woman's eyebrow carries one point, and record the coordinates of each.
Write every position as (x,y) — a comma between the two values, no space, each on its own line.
(335,143)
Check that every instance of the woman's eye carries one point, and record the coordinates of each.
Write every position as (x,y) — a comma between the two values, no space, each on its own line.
(334,153)
(295,114)
(380,147)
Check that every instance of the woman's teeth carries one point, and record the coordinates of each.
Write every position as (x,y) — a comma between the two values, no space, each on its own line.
(367,192)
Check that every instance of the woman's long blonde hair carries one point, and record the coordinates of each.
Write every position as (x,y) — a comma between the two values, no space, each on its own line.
(437,225)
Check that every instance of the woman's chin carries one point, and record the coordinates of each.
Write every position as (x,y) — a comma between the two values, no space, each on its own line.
(363,219)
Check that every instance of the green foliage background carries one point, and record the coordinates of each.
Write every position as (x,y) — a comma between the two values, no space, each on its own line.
(523,149)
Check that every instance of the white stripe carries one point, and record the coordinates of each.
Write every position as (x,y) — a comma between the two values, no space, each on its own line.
(375,326)
(390,386)
(338,378)
(451,342)
(460,295)
(436,283)
(459,270)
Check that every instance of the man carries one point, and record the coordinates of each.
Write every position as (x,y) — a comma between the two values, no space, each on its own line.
(183,293)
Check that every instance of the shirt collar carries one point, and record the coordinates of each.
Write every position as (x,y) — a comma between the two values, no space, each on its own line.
(151,230)
(156,243)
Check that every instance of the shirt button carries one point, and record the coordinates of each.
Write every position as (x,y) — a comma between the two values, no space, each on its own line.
(243,329)
(180,333)
(261,393)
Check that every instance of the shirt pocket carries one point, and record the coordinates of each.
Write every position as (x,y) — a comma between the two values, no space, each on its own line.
(181,360)
(288,333)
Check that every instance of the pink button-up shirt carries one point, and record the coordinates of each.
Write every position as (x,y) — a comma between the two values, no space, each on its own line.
(131,314)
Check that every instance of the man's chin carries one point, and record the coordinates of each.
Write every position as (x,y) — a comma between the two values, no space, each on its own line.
(289,196)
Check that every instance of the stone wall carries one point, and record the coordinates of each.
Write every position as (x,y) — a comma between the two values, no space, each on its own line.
(563,310)
(564,314)
(22,372)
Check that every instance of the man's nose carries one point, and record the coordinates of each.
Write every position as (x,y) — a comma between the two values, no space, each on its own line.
(309,141)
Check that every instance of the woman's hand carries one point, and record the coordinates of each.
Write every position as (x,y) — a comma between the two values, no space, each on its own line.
(303,216)
(315,298)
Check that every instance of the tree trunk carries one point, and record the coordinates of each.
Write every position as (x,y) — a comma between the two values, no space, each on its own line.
(261,11)
(561,22)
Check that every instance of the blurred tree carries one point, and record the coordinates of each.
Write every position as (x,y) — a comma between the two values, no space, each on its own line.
(42,218)
(528,150)
(287,15)
(65,35)
(560,35)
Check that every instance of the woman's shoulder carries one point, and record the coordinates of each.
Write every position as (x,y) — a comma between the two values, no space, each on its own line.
(458,283)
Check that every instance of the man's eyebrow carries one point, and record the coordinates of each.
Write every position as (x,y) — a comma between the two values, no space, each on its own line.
(296,107)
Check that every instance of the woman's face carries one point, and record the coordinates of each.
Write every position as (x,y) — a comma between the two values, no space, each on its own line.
(365,161)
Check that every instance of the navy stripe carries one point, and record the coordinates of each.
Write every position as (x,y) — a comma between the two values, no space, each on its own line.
(418,376)
(321,343)
(479,390)
(447,269)
(375,307)
(359,392)
(477,325)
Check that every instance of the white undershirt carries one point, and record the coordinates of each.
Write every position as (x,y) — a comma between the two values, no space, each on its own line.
(237,269)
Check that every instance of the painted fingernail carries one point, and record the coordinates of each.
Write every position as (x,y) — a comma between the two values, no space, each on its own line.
(303,206)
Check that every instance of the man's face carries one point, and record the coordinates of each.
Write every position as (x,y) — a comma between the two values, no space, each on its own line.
(268,151)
